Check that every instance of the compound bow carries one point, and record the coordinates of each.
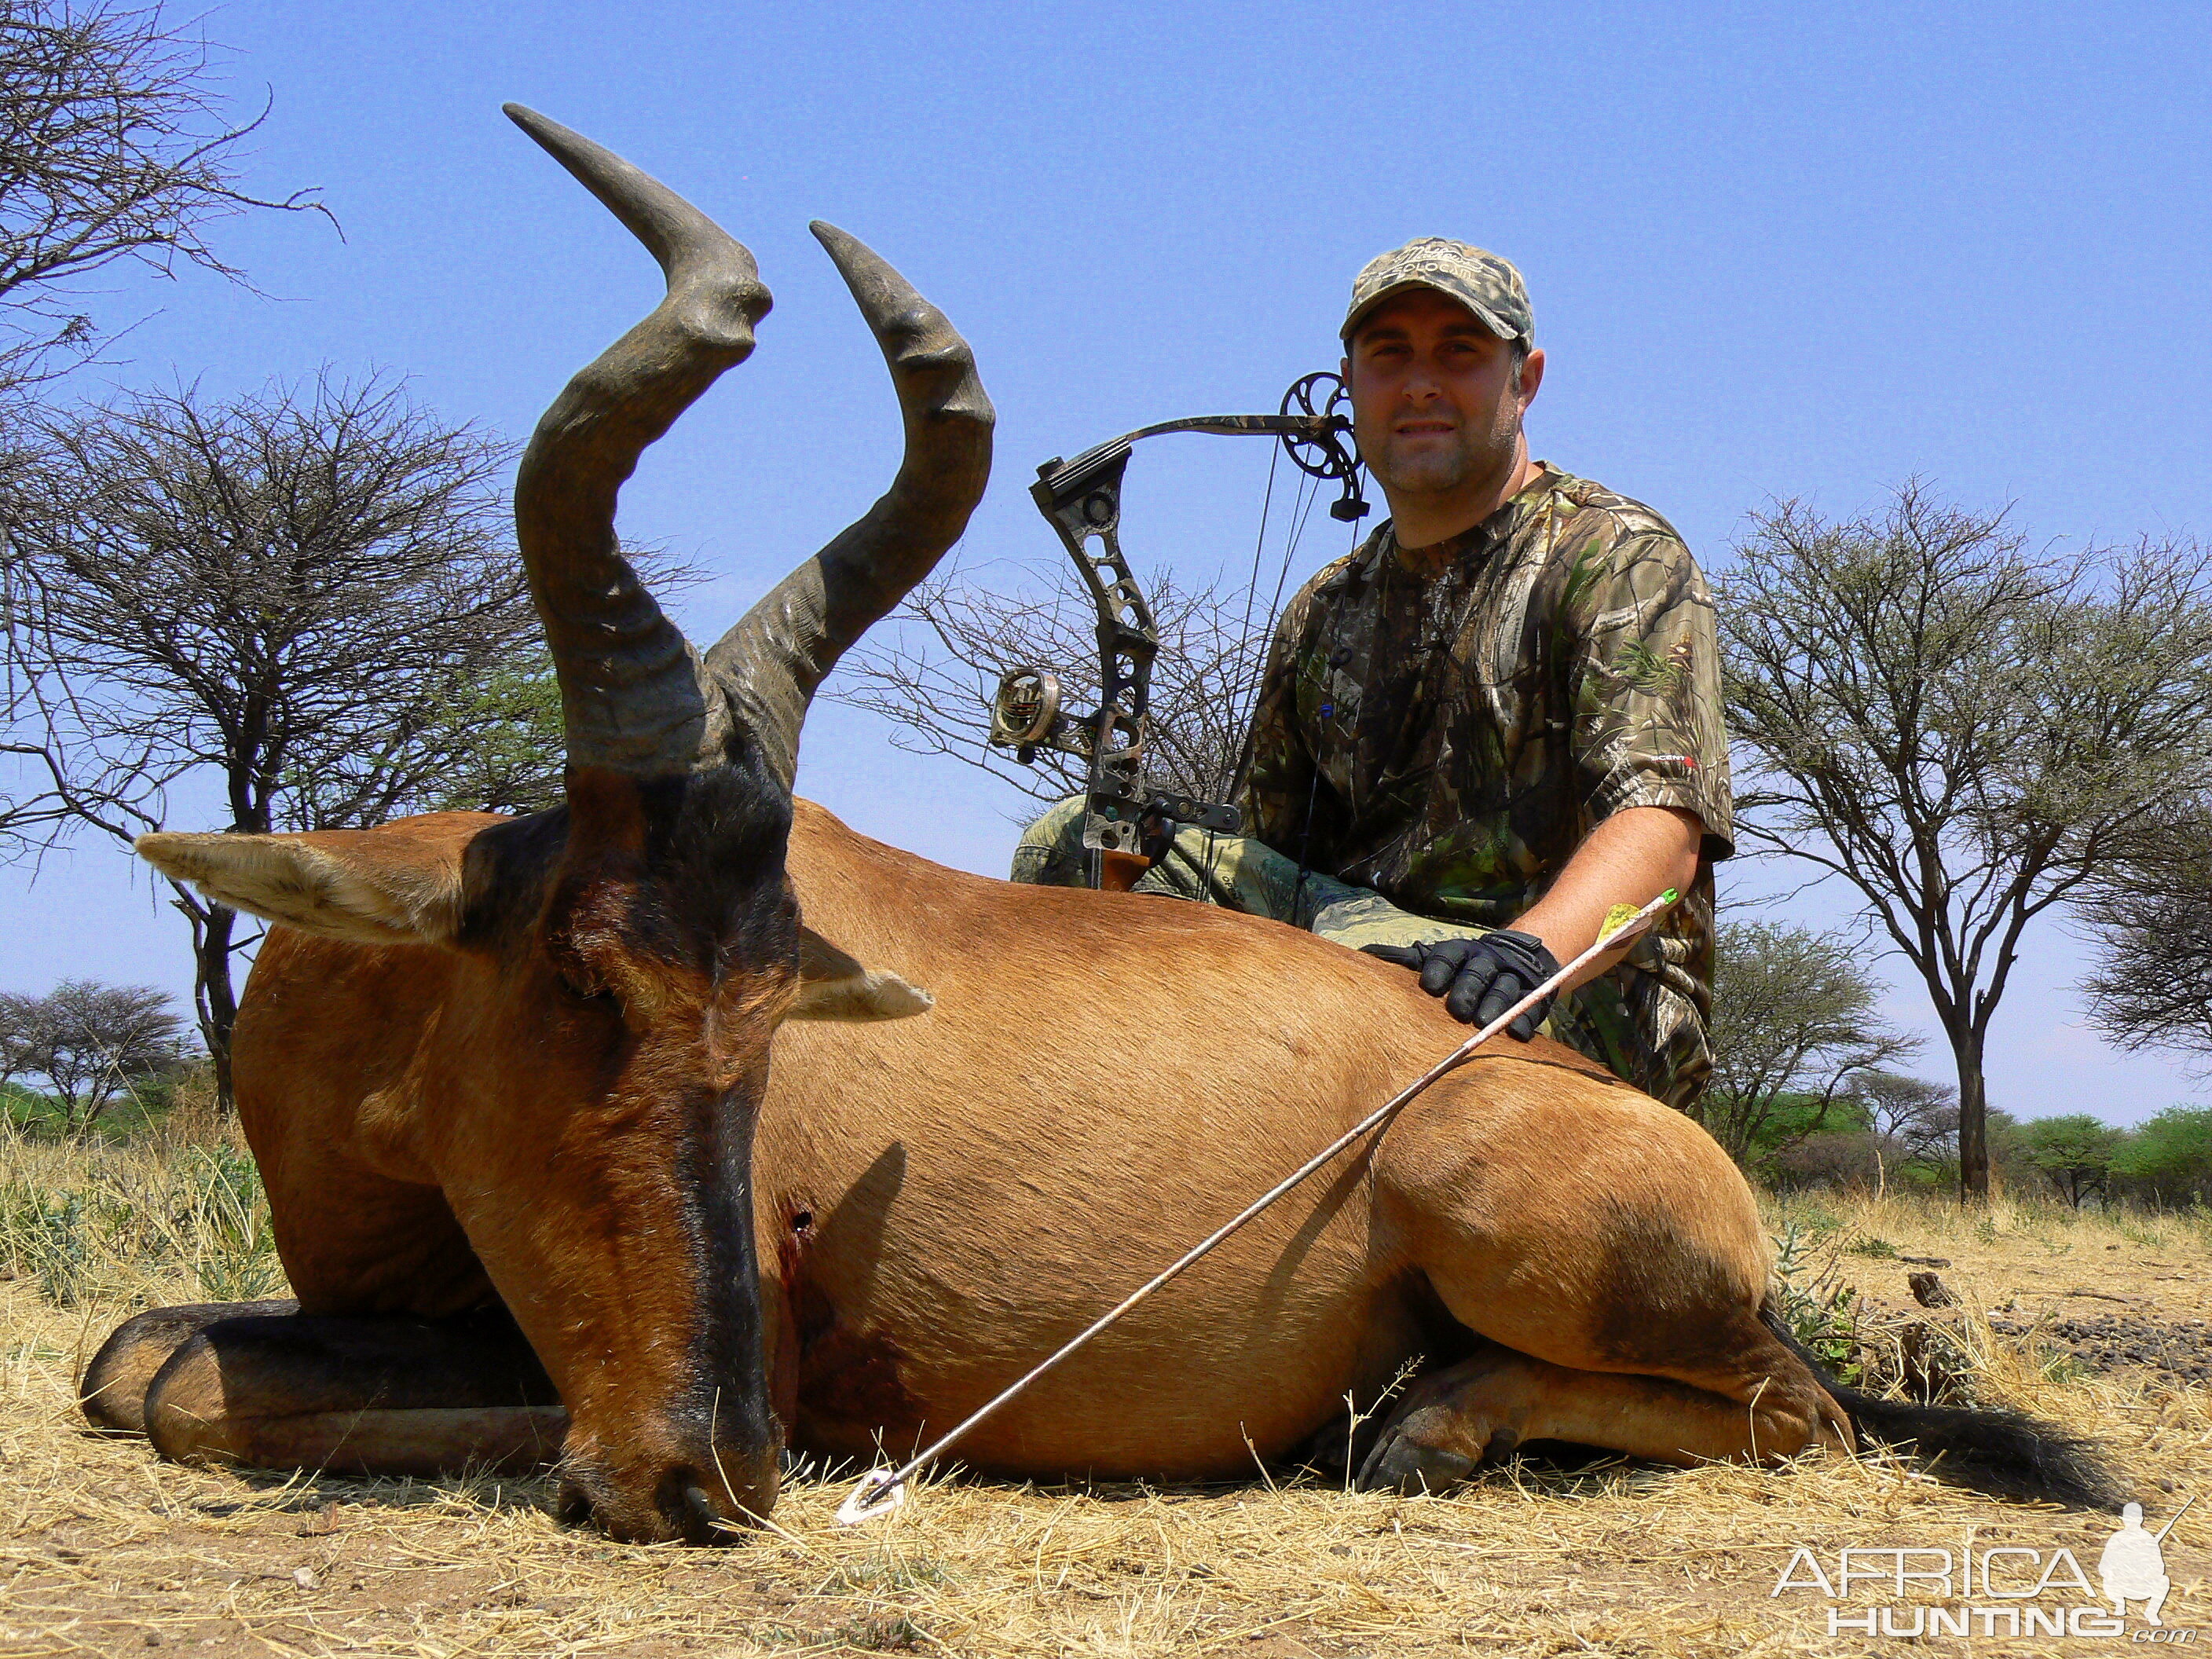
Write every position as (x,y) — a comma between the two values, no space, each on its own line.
(1082,500)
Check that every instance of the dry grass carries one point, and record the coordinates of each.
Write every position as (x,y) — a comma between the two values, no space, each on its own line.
(108,1551)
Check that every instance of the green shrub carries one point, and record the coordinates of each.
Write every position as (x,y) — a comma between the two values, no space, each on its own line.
(1822,1314)
(87,1220)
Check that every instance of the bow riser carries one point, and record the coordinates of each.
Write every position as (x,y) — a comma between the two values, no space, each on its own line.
(1083,502)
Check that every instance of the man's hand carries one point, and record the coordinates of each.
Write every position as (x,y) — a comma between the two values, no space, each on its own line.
(1480,978)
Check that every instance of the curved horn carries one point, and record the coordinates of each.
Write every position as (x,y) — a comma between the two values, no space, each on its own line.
(766,668)
(630,699)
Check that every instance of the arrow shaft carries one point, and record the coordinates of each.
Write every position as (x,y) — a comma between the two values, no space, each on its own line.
(1610,940)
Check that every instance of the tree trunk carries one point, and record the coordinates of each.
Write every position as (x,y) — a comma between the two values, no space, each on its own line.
(95,1102)
(213,996)
(1973,1122)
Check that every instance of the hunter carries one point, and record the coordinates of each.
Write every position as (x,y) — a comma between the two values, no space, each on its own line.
(1497,719)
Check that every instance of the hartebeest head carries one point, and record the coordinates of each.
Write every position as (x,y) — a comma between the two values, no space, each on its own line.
(617,967)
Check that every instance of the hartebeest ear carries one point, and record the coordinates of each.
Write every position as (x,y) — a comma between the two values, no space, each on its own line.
(374,887)
(832,985)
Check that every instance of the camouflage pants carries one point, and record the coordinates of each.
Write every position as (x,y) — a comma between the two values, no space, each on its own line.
(1240,873)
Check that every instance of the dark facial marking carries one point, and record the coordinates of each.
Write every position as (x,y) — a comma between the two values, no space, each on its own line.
(667,899)
(724,906)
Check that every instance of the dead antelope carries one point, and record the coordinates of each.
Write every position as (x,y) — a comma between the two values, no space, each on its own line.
(577,1141)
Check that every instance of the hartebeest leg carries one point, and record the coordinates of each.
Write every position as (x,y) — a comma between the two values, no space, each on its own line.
(382,1395)
(1485,1405)
(113,1393)
(1615,1257)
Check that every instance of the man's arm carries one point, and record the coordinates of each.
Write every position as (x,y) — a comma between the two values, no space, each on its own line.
(1630,859)
(1651,744)
(1652,755)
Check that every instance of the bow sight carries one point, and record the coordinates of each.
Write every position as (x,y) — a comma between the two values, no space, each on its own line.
(1082,500)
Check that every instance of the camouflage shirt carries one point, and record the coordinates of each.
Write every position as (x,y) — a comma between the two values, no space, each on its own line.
(1447,727)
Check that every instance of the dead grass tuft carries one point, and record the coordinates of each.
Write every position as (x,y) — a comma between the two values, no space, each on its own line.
(109,1550)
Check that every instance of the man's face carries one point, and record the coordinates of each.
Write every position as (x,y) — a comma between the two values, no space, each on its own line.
(1435,402)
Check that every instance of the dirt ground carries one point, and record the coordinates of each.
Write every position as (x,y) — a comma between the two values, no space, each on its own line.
(2099,1325)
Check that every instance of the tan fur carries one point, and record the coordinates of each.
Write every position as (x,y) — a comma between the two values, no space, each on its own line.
(437,1126)
(192,1415)
(833,986)
(403,889)
(1104,1080)
(1496,1400)
(940,1201)
(113,1390)
(190,1419)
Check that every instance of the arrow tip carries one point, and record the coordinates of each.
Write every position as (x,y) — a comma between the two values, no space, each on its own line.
(880,1492)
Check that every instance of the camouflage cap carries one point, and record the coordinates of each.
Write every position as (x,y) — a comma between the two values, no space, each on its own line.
(1485,284)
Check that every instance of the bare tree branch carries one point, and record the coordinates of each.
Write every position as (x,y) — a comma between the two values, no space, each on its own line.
(932,667)
(115,148)
(2150,921)
(303,598)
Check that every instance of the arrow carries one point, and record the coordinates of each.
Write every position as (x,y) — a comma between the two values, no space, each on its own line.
(881,1491)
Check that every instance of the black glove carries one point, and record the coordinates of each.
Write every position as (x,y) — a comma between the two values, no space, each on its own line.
(1480,978)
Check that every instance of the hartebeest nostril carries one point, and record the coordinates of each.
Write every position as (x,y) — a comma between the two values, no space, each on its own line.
(572,1505)
(717,1501)
(695,1516)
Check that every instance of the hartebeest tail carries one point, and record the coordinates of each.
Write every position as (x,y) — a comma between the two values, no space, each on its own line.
(1991,1447)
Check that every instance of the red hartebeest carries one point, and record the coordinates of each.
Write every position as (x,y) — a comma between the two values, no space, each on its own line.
(537,1188)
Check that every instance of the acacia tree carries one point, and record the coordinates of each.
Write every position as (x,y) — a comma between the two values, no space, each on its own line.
(19,1036)
(298,602)
(2152,909)
(2076,1151)
(115,148)
(1916,1119)
(1794,1018)
(117,152)
(93,1044)
(1963,731)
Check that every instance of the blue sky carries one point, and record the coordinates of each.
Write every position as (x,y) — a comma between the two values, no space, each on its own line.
(1774,250)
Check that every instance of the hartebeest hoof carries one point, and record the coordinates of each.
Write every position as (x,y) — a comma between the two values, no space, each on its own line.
(380,1395)
(1406,1466)
(1449,1424)
(1481,1408)
(113,1393)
